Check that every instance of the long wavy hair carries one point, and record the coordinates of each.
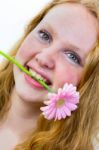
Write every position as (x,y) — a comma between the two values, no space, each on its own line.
(73,133)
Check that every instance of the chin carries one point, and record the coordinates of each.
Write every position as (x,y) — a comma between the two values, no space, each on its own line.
(25,94)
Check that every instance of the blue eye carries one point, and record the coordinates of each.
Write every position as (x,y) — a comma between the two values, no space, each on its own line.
(45,36)
(73,57)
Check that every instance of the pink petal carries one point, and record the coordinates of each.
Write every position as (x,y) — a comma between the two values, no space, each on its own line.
(47,102)
(63,113)
(65,86)
(59,112)
(43,108)
(52,96)
(67,111)
(58,115)
(73,99)
(69,88)
(71,106)
(47,112)
(60,91)
(47,107)
(64,93)
(52,114)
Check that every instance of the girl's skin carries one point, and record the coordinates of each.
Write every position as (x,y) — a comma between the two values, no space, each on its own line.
(57,47)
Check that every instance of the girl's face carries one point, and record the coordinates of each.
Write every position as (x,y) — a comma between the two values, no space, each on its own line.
(57,49)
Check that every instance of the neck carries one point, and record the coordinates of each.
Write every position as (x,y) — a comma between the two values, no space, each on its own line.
(23,115)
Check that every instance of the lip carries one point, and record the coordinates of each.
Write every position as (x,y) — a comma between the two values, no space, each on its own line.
(32,82)
(42,73)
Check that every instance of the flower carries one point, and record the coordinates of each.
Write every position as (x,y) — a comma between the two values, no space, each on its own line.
(60,104)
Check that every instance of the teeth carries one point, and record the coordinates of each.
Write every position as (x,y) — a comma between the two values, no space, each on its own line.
(38,76)
(33,73)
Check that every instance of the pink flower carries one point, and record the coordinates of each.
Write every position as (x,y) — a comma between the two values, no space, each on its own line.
(60,104)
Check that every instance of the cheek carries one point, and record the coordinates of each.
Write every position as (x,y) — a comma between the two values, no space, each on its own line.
(27,49)
(68,75)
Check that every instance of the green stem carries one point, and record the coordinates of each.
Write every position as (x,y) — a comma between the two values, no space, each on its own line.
(14,61)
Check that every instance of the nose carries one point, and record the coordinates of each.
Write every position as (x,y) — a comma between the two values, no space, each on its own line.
(45,60)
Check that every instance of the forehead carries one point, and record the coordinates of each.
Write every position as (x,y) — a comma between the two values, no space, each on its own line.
(73,20)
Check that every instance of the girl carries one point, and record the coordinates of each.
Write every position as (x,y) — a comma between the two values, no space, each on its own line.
(62,45)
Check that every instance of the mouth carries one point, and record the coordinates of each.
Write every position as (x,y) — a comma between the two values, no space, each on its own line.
(39,76)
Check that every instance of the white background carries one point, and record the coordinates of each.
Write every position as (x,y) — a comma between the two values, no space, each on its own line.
(14,16)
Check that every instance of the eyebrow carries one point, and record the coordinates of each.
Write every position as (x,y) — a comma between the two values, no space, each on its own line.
(53,31)
(46,24)
(74,47)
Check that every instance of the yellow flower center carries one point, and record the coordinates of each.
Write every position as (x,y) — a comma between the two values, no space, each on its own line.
(60,103)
